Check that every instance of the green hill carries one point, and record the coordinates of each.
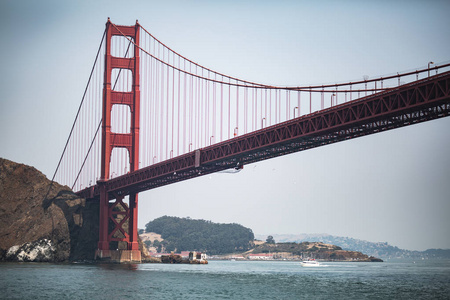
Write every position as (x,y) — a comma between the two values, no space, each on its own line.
(185,234)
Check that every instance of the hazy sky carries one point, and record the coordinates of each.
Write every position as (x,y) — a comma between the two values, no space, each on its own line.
(391,187)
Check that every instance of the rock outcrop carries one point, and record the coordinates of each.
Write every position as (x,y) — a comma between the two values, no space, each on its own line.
(42,250)
(316,250)
(42,224)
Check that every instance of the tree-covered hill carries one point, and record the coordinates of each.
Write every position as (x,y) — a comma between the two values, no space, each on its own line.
(185,234)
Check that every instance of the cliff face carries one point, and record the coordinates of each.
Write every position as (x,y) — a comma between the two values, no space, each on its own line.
(36,226)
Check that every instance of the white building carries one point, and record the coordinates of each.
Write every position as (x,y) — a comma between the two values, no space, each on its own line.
(260,256)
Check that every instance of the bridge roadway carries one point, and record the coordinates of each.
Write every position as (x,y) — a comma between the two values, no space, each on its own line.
(419,101)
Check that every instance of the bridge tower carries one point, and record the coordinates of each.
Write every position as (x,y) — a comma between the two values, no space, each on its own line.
(111,140)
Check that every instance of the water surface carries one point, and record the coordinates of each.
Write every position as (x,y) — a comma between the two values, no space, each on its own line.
(407,279)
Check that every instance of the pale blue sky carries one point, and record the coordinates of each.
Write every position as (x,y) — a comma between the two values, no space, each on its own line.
(391,186)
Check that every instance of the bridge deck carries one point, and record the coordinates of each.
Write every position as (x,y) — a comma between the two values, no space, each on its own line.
(408,104)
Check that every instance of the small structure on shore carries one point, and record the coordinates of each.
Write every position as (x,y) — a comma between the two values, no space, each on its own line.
(197,256)
(193,258)
(260,256)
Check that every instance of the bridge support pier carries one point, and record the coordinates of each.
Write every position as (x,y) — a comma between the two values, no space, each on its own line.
(117,214)
(103,243)
(132,223)
(119,256)
(108,216)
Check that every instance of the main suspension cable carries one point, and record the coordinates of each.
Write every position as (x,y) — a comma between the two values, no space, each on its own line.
(249,84)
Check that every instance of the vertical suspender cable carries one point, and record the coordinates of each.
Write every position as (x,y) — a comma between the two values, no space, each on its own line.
(167,109)
(229,109)
(279,108)
(199,116)
(173,99)
(202,116)
(253,110)
(214,108)
(237,110)
(206,98)
(185,132)
(310,101)
(221,110)
(191,109)
(246,109)
(179,108)
(261,112)
(161,133)
(265,103)
(270,105)
(276,108)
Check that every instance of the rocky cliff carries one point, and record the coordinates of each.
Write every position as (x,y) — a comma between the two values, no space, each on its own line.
(42,224)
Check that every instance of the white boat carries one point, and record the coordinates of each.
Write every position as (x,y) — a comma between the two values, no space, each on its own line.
(310,263)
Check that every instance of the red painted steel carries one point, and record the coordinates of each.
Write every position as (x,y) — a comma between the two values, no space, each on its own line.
(419,101)
(110,140)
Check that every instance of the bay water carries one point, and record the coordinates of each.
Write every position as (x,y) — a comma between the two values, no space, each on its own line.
(393,279)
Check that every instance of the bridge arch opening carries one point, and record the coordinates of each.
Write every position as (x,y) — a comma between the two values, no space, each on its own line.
(122,80)
(120,162)
(122,47)
(120,119)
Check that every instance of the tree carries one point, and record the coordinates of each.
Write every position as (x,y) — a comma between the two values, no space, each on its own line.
(270,240)
(157,245)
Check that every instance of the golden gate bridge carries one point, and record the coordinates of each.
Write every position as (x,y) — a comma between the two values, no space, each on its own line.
(151,117)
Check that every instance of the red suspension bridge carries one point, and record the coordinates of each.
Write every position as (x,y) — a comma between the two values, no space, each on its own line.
(151,117)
